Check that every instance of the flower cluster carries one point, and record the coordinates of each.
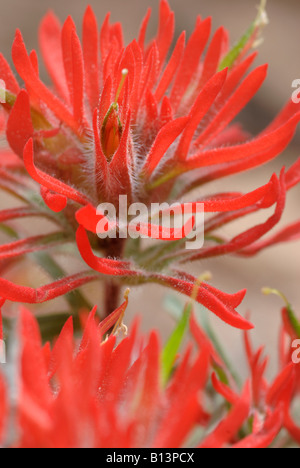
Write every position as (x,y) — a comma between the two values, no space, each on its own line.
(152,123)
(98,395)
(128,120)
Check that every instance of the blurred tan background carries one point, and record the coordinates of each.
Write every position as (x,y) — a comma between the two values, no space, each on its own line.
(278,267)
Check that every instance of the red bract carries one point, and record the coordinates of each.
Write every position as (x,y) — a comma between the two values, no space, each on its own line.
(125,120)
(95,393)
(268,405)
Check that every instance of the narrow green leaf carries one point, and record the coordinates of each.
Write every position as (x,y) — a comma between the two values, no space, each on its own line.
(229,60)
(291,314)
(172,347)
(8,231)
(293,320)
(260,21)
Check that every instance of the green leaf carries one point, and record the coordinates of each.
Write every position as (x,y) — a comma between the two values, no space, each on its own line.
(172,347)
(221,374)
(293,320)
(8,231)
(260,21)
(292,316)
(237,49)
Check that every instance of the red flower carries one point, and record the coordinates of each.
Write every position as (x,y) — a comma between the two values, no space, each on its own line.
(102,394)
(97,395)
(124,120)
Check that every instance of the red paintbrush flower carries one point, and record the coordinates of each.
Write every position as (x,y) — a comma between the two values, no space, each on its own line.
(98,396)
(97,393)
(124,120)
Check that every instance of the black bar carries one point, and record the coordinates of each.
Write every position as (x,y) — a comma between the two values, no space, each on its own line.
(138,457)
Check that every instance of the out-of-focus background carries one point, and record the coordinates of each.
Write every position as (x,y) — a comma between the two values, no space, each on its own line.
(278,267)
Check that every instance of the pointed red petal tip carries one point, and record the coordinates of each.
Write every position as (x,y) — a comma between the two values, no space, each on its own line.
(29,326)
(114,317)
(235,103)
(89,12)
(33,83)
(19,127)
(190,61)
(34,61)
(63,342)
(170,70)
(254,153)
(166,30)
(50,45)
(203,103)
(143,29)
(8,76)
(120,166)
(90,327)
(221,304)
(90,53)
(224,390)
(66,44)
(78,78)
(164,139)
